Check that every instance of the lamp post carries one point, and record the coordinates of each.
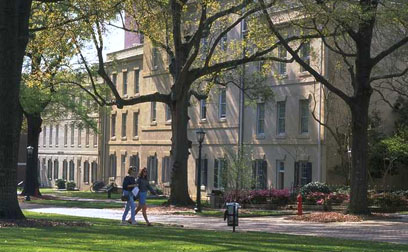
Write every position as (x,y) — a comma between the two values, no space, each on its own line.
(200,138)
(30,150)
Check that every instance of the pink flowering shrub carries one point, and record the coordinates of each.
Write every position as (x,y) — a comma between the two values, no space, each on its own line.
(275,196)
(325,198)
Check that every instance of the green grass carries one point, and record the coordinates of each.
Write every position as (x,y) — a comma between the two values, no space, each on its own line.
(80,194)
(79,204)
(107,235)
(88,195)
(242,214)
(88,204)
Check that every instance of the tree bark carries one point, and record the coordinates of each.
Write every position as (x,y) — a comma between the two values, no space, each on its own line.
(31,185)
(179,153)
(359,183)
(14,18)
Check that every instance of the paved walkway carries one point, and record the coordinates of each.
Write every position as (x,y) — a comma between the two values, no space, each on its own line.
(395,231)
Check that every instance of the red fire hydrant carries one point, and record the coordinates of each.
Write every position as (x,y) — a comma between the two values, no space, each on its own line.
(299,204)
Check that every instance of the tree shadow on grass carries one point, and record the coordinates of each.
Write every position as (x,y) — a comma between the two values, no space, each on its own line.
(109,236)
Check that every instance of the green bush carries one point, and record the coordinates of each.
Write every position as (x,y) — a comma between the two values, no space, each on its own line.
(389,201)
(313,187)
(343,189)
(71,186)
(60,183)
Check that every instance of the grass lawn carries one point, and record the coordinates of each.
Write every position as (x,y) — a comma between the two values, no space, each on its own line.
(107,235)
(79,204)
(242,213)
(88,195)
(88,204)
(79,194)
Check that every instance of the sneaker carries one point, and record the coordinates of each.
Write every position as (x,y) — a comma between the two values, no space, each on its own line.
(134,223)
(124,223)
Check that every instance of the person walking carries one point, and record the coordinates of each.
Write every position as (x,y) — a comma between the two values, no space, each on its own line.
(129,182)
(144,185)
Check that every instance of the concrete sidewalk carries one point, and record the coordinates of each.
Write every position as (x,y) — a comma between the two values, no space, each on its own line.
(395,231)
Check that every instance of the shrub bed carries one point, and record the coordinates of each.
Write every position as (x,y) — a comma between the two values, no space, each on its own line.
(272,196)
(389,201)
(60,183)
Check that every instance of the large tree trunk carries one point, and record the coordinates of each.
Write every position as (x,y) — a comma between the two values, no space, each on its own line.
(31,185)
(179,153)
(14,16)
(359,182)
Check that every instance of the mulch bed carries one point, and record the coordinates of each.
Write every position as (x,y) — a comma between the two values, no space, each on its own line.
(326,217)
(42,223)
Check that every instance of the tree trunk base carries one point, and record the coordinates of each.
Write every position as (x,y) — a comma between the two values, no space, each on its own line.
(186,202)
(358,211)
(36,193)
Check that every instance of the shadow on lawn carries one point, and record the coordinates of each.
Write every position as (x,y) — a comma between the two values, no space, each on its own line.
(109,236)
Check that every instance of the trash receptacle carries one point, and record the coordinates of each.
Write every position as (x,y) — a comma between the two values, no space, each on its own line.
(231,214)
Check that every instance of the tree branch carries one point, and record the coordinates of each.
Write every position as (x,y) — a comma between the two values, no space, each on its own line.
(388,51)
(306,66)
(389,76)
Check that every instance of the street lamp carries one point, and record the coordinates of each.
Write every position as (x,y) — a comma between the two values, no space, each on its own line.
(200,138)
(30,150)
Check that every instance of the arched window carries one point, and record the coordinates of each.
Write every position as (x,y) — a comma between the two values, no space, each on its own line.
(152,168)
(112,162)
(135,162)
(64,170)
(71,170)
(94,171)
(49,169)
(56,167)
(86,172)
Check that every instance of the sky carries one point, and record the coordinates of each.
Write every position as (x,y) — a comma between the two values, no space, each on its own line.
(114,40)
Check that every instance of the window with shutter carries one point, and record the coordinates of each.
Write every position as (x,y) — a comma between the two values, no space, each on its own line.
(303,173)
(259,168)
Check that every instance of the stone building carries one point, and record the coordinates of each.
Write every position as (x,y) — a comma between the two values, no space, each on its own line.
(68,152)
(289,148)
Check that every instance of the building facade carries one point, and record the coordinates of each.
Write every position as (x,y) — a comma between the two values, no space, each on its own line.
(288,146)
(69,152)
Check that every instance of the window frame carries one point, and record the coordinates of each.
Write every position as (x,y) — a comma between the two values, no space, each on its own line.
(280,174)
(136,83)
(280,118)
(304,115)
(153,112)
(124,83)
(260,121)
(113,125)
(203,109)
(222,104)
(124,125)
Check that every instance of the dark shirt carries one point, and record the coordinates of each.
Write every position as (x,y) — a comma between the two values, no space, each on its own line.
(128,181)
(144,185)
